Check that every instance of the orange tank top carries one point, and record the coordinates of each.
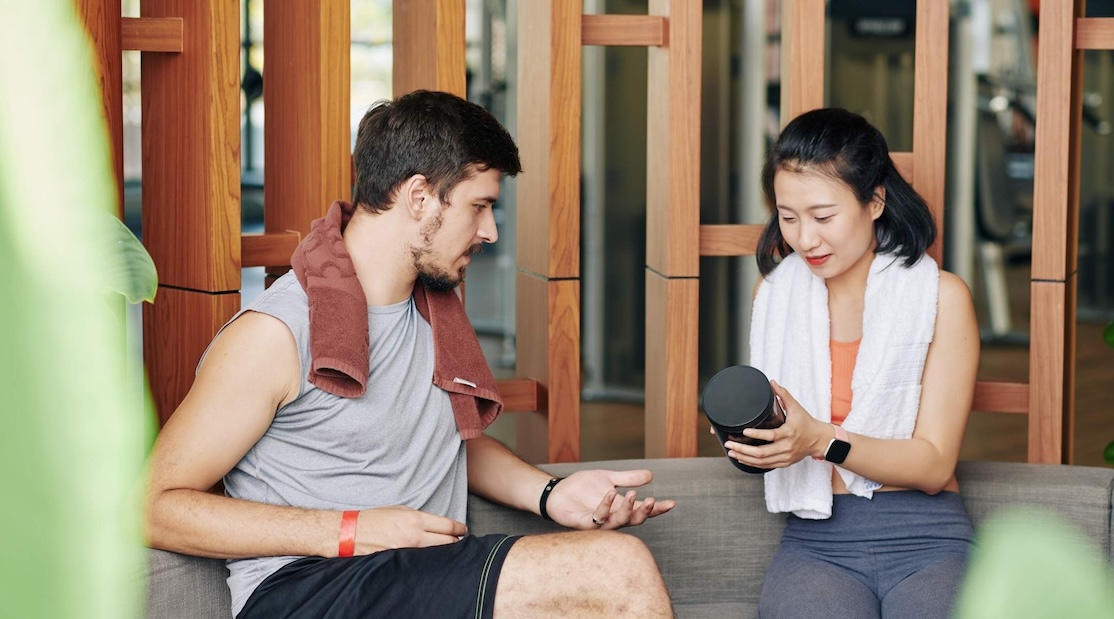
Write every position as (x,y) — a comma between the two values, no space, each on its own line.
(843,365)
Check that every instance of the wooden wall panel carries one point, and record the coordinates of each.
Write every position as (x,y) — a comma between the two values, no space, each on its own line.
(151,34)
(635,30)
(429,46)
(191,148)
(548,350)
(176,330)
(904,164)
(730,239)
(1094,33)
(802,57)
(673,143)
(1001,397)
(930,111)
(549,73)
(102,20)
(672,313)
(307,93)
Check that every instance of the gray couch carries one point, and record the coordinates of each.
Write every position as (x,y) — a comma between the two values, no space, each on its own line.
(713,548)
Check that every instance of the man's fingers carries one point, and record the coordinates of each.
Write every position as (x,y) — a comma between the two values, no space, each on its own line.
(630,479)
(443,526)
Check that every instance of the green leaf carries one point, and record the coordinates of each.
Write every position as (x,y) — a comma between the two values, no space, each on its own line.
(1108,454)
(1108,334)
(129,268)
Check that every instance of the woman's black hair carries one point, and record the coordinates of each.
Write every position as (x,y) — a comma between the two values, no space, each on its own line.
(844,146)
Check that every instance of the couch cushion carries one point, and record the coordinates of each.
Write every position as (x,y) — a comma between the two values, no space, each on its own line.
(713,547)
(1082,496)
(182,587)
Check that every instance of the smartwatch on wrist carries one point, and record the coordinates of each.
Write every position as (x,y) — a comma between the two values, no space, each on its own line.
(838,447)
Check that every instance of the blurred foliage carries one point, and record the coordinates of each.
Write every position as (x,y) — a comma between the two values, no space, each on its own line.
(1030,564)
(71,450)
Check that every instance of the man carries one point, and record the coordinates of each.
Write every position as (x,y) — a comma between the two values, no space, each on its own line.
(346,467)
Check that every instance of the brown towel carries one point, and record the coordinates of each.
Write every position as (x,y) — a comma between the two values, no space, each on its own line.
(338,330)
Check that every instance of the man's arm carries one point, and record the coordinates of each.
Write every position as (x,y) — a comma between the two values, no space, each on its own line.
(496,473)
(249,372)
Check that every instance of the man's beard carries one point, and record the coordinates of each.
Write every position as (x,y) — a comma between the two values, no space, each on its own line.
(432,276)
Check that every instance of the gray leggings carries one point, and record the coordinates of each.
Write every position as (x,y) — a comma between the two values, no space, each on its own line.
(901,554)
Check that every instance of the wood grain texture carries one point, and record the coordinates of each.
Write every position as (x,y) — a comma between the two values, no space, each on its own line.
(632,30)
(904,164)
(549,102)
(177,328)
(151,34)
(803,31)
(268,250)
(102,21)
(673,142)
(307,93)
(930,112)
(519,394)
(672,311)
(1094,33)
(1056,164)
(548,351)
(1051,367)
(1001,397)
(191,148)
(428,46)
(730,240)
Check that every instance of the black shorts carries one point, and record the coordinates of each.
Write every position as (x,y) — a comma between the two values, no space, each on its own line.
(454,580)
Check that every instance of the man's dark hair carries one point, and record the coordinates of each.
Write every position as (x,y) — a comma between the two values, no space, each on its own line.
(435,134)
(842,145)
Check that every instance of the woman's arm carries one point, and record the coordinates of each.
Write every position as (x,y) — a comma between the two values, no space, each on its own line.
(927,460)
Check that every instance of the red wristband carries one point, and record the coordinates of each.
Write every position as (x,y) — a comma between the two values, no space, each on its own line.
(348,534)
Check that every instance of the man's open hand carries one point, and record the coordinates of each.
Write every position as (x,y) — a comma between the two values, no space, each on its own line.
(586,499)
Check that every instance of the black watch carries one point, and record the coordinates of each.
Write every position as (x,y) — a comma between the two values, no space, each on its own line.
(839,447)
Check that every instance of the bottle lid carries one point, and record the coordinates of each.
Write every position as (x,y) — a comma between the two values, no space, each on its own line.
(738,396)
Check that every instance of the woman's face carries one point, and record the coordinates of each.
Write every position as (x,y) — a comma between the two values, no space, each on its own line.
(823,221)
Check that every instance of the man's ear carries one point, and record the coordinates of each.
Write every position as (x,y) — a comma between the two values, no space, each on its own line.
(414,196)
(878,204)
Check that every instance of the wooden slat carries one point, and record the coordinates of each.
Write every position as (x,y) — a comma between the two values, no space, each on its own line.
(730,240)
(519,394)
(176,330)
(549,72)
(268,250)
(673,143)
(672,311)
(802,57)
(633,30)
(306,136)
(1001,397)
(191,149)
(548,350)
(102,20)
(428,46)
(930,111)
(904,164)
(152,34)
(1094,33)
(1056,163)
(1050,370)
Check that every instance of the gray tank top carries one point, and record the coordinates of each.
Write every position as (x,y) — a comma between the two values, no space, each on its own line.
(395,445)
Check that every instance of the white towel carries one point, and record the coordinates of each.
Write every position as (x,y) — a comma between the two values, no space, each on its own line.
(789,341)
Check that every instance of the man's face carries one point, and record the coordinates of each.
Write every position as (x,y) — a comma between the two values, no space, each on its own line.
(452,232)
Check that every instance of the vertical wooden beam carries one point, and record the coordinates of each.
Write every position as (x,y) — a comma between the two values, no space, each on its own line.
(1055,234)
(548,346)
(429,46)
(191,189)
(191,148)
(177,329)
(930,106)
(803,33)
(548,283)
(102,20)
(672,315)
(673,231)
(307,91)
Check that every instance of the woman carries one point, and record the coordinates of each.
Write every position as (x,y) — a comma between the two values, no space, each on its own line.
(873,351)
